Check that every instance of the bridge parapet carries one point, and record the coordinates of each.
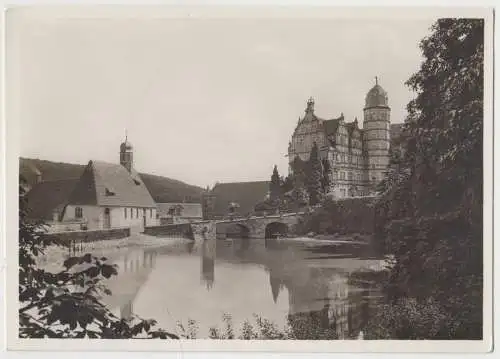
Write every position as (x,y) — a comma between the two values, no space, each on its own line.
(255,227)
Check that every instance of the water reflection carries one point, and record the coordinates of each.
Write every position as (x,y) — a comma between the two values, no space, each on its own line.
(208,263)
(305,284)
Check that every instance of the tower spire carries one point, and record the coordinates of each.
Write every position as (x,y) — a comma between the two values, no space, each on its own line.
(126,135)
(310,105)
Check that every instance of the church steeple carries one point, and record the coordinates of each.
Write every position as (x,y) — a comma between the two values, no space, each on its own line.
(127,154)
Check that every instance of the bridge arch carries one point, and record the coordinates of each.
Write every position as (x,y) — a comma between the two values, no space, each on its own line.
(237,230)
(275,229)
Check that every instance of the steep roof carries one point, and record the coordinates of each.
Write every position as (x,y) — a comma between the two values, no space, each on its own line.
(246,194)
(46,197)
(189,210)
(108,184)
(332,125)
(163,189)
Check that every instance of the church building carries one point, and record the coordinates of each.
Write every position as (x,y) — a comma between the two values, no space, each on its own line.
(356,156)
(111,195)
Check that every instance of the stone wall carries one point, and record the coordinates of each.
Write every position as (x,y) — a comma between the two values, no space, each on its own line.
(89,236)
(183,230)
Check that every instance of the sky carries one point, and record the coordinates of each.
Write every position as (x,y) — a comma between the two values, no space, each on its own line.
(202,99)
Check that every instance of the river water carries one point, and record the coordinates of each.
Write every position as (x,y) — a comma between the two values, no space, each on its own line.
(275,279)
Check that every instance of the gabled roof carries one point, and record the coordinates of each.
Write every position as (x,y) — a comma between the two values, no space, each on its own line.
(47,197)
(246,194)
(332,125)
(162,189)
(189,210)
(107,184)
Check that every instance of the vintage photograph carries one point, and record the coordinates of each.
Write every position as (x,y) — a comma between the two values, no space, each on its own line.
(286,178)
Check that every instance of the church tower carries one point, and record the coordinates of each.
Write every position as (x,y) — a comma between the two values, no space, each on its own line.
(376,127)
(127,155)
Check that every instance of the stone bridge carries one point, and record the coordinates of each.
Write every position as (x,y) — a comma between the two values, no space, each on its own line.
(249,227)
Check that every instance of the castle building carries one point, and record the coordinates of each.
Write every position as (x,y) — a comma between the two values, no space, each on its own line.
(357,157)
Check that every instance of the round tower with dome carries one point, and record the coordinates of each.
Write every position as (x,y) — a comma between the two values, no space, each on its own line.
(127,155)
(376,131)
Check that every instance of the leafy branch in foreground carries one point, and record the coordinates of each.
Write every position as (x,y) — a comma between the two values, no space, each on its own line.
(66,304)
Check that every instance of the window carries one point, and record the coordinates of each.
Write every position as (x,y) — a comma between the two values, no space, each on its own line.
(151,213)
(137,213)
(78,212)
(109,192)
(125,211)
(349,176)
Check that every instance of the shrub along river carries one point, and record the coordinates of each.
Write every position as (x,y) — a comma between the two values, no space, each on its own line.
(275,279)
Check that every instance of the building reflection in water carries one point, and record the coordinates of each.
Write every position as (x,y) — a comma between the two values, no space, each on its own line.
(208,250)
(276,285)
(322,301)
(136,268)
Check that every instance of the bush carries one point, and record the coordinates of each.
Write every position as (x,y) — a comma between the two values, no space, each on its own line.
(410,319)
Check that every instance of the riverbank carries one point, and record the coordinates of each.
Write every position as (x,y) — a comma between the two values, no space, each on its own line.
(54,256)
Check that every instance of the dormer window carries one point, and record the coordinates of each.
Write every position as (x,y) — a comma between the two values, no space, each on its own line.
(109,192)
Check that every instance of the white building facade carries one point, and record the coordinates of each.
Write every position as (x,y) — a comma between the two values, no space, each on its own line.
(111,196)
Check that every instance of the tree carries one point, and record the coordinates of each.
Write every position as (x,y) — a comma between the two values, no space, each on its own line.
(232,207)
(275,185)
(299,193)
(325,179)
(315,176)
(431,209)
(67,304)
(287,184)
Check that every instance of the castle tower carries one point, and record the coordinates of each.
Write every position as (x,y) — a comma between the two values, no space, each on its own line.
(127,155)
(207,204)
(376,125)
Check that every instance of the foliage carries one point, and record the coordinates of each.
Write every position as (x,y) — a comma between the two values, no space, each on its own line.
(287,184)
(67,304)
(431,208)
(314,176)
(299,193)
(325,178)
(275,185)
(302,326)
(340,216)
(411,319)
